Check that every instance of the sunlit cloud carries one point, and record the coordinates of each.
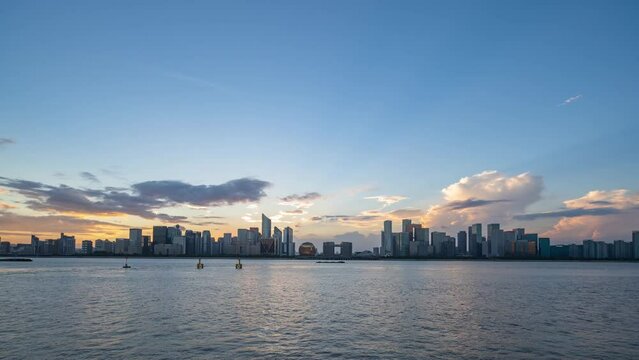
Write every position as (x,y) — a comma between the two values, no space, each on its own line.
(387,200)
(489,196)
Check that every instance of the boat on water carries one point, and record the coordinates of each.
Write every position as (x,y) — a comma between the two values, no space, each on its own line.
(330,262)
(16,259)
(126,263)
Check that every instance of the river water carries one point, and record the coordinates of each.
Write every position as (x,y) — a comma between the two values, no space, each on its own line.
(91,308)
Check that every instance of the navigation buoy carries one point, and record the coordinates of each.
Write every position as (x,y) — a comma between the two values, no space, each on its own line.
(199,264)
(238,266)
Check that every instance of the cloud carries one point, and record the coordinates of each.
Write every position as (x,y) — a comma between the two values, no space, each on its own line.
(141,199)
(570,100)
(294,212)
(303,201)
(362,221)
(568,213)
(6,142)
(489,196)
(470,203)
(599,214)
(89,177)
(387,199)
(4,206)
(231,192)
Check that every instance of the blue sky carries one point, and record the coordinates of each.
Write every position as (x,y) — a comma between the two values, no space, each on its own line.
(349,99)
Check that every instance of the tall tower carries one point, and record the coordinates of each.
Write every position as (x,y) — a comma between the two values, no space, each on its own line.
(288,245)
(387,239)
(266,227)
(474,239)
(135,241)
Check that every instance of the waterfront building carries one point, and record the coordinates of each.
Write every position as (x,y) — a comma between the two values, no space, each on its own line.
(5,247)
(437,240)
(462,239)
(405,224)
(87,247)
(180,245)
(121,246)
(207,245)
(328,248)
(167,250)
(277,237)
(346,249)
(387,246)
(160,235)
(288,241)
(589,251)
(146,245)
(495,240)
(635,244)
(266,227)
(544,248)
(172,232)
(474,240)
(67,244)
(307,249)
(135,241)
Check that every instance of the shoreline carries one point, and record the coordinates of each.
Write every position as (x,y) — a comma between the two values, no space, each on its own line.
(268,258)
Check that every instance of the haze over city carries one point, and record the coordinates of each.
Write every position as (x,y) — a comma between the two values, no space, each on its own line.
(328,117)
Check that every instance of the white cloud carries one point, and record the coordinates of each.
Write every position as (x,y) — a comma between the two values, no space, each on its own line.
(489,196)
(387,200)
(600,215)
(570,100)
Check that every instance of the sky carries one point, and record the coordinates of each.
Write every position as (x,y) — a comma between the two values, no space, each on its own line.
(327,116)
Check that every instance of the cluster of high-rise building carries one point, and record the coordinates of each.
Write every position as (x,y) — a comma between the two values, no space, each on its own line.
(169,241)
(417,241)
(413,241)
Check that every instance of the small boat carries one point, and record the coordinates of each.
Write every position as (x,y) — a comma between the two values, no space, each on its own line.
(126,263)
(199,264)
(238,266)
(16,259)
(330,262)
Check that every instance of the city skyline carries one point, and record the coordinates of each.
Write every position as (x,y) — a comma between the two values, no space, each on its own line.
(414,241)
(210,115)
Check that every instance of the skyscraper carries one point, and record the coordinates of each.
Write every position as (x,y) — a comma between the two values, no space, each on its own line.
(544,248)
(495,240)
(474,240)
(387,239)
(405,224)
(462,239)
(289,244)
(135,241)
(277,236)
(159,235)
(207,243)
(266,227)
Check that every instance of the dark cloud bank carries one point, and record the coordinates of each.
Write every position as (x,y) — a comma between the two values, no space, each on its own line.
(141,199)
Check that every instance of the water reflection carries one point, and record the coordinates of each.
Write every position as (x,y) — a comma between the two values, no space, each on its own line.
(166,308)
